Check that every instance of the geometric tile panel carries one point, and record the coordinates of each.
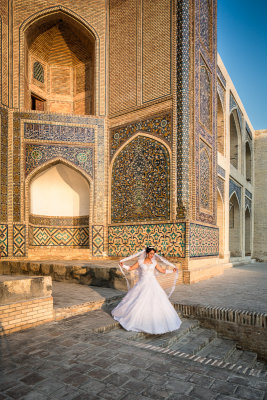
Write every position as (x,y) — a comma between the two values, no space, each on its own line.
(3,241)
(97,240)
(204,241)
(4,163)
(168,239)
(19,240)
(76,237)
(160,126)
(39,131)
(234,187)
(38,154)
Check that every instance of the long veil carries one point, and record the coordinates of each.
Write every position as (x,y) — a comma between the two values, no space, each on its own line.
(140,256)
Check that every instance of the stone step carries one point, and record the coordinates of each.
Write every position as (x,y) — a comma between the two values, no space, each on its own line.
(243,358)
(219,349)
(193,341)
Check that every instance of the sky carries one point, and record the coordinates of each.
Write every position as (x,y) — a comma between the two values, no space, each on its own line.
(242,45)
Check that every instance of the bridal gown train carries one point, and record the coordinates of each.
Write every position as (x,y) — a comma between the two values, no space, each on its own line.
(146,307)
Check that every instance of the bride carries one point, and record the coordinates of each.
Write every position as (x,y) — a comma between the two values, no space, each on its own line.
(146,307)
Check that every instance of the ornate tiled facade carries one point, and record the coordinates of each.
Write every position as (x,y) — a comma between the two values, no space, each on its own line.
(4,240)
(54,236)
(140,183)
(64,133)
(159,126)
(204,241)
(169,239)
(205,176)
(19,240)
(4,163)
(234,187)
(220,185)
(97,240)
(38,154)
(44,220)
(205,104)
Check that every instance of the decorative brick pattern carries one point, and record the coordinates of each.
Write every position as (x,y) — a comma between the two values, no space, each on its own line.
(19,240)
(64,133)
(4,163)
(234,187)
(159,126)
(74,237)
(4,240)
(204,241)
(44,220)
(97,240)
(37,154)
(140,185)
(169,239)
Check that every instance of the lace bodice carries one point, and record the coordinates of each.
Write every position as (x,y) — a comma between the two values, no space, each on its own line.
(147,268)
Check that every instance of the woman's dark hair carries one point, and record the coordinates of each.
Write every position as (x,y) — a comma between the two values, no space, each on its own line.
(149,249)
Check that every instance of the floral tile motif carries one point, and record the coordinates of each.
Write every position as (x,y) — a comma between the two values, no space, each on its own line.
(169,239)
(204,241)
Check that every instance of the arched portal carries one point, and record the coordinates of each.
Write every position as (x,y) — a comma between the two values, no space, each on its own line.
(247,233)
(140,182)
(59,207)
(234,227)
(220,126)
(59,65)
(248,162)
(235,140)
(220,223)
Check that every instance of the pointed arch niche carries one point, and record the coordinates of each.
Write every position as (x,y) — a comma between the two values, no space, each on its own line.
(234,227)
(235,141)
(59,59)
(140,181)
(248,163)
(220,223)
(59,204)
(220,126)
(247,232)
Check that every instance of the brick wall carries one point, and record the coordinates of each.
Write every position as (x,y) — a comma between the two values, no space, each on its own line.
(25,314)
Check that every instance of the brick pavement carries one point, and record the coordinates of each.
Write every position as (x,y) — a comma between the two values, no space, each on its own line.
(70,360)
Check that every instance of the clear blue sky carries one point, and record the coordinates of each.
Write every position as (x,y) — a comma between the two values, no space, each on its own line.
(242,45)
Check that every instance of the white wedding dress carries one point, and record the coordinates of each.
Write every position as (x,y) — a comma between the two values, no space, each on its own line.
(146,307)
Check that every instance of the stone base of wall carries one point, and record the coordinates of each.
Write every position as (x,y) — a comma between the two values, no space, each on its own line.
(58,253)
(25,314)
(204,268)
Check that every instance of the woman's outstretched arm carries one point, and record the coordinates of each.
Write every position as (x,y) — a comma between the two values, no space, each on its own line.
(132,267)
(165,271)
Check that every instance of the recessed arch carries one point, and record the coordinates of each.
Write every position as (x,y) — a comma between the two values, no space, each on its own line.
(75,42)
(247,232)
(248,162)
(234,226)
(140,181)
(220,222)
(235,140)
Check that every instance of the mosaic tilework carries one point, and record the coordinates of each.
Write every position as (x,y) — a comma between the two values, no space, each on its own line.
(183,101)
(4,240)
(16,170)
(205,23)
(220,75)
(248,204)
(248,194)
(204,241)
(234,187)
(234,105)
(205,97)
(205,176)
(221,171)
(19,240)
(205,67)
(75,237)
(220,185)
(221,93)
(36,154)
(97,240)
(45,220)
(140,184)
(4,163)
(169,239)
(54,132)
(160,126)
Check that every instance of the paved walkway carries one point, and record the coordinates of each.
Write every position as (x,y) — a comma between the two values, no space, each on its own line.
(68,360)
(242,287)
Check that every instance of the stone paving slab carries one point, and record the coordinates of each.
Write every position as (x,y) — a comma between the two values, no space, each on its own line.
(69,360)
(241,287)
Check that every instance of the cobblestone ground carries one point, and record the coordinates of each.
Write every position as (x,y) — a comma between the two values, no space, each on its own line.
(242,287)
(72,359)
